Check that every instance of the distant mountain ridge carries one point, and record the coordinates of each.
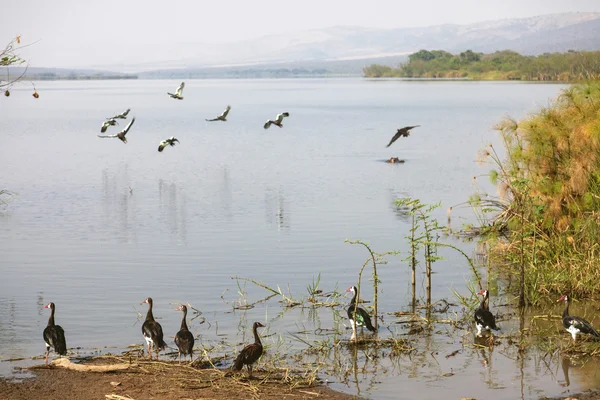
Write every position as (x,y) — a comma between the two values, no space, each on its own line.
(534,35)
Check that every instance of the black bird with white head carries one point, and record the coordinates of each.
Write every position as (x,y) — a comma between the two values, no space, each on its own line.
(120,135)
(152,331)
(278,120)
(251,353)
(54,335)
(575,325)
(222,117)
(403,132)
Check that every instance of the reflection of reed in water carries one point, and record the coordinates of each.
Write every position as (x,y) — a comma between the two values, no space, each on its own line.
(117,197)
(277,210)
(173,209)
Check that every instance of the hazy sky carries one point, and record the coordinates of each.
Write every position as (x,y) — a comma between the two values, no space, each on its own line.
(69,27)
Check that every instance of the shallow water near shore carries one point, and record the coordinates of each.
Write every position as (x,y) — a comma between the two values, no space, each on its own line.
(98,226)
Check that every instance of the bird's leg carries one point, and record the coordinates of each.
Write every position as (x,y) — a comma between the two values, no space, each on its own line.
(249,371)
(47,352)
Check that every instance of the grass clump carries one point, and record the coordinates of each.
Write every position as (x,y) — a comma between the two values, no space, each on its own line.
(548,208)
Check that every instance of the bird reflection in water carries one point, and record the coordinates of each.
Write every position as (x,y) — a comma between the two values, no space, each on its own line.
(173,209)
(277,210)
(117,203)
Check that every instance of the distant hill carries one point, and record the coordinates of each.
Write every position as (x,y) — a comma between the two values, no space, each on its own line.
(346,50)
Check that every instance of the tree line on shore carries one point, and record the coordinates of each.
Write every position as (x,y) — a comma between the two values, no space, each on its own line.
(501,65)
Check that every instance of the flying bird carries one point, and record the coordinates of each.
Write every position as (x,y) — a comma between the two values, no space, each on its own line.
(277,121)
(167,142)
(107,123)
(223,116)
(178,92)
(122,115)
(401,132)
(120,135)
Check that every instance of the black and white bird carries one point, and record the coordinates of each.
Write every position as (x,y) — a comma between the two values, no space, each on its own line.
(362,316)
(152,331)
(222,117)
(123,115)
(484,319)
(120,135)
(107,123)
(403,132)
(251,353)
(54,335)
(178,93)
(167,142)
(575,325)
(277,120)
(184,338)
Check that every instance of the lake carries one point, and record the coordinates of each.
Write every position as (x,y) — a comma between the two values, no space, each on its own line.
(98,225)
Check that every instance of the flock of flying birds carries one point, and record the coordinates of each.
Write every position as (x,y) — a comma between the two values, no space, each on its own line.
(178,95)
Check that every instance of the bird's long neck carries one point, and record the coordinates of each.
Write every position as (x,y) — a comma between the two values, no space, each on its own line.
(566,311)
(149,315)
(51,319)
(183,324)
(353,301)
(486,300)
(256,337)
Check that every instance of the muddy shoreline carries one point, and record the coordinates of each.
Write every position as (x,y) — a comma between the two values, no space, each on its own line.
(160,380)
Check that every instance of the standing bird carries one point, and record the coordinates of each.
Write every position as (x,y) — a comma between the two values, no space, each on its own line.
(401,132)
(178,92)
(484,319)
(184,338)
(167,142)
(277,120)
(122,115)
(575,325)
(251,353)
(54,335)
(107,123)
(120,135)
(222,117)
(152,331)
(362,317)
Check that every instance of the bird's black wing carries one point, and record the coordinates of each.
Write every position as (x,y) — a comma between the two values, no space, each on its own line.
(396,136)
(55,337)
(124,131)
(582,325)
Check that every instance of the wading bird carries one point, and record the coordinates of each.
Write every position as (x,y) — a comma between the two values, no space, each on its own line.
(120,135)
(167,142)
(184,338)
(405,132)
(152,331)
(484,319)
(54,335)
(251,353)
(362,317)
(122,115)
(107,123)
(575,325)
(277,121)
(222,117)
(178,92)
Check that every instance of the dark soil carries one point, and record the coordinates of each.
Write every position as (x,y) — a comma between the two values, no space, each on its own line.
(164,381)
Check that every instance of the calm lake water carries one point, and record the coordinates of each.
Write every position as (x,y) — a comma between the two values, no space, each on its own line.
(98,225)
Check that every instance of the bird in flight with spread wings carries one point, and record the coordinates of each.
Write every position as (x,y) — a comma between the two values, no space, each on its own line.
(120,135)
(403,132)
(178,93)
(167,142)
(277,120)
(223,116)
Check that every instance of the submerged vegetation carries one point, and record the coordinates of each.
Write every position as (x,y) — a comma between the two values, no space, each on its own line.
(501,65)
(547,217)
